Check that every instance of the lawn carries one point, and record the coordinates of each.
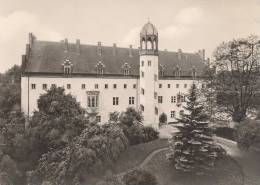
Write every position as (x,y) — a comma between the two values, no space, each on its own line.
(134,155)
(227,172)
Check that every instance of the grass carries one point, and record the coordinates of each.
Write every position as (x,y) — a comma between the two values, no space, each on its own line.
(227,172)
(135,154)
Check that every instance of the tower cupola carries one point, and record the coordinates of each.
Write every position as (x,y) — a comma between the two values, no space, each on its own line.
(149,40)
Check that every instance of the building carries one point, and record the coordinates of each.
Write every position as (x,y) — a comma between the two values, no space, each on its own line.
(106,79)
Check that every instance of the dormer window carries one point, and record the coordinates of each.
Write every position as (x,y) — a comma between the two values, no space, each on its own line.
(193,72)
(177,72)
(126,69)
(161,70)
(67,67)
(100,68)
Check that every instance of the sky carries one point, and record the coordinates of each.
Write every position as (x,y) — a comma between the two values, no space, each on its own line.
(190,25)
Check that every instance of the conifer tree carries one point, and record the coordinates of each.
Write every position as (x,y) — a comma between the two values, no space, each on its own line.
(192,147)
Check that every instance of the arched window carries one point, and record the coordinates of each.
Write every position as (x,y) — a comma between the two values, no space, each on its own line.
(67,67)
(100,68)
(149,45)
(126,69)
(154,45)
(143,44)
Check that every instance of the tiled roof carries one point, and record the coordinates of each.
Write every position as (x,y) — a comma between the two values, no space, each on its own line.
(48,57)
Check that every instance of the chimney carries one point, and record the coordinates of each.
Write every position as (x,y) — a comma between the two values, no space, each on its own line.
(66,45)
(32,38)
(114,49)
(202,54)
(131,51)
(179,54)
(78,46)
(99,49)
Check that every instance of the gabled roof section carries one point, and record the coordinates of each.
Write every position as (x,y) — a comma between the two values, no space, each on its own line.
(48,57)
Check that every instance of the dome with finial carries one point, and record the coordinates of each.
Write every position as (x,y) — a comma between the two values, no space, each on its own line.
(149,29)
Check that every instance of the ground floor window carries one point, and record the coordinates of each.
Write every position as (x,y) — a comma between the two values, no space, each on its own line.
(131,100)
(160,99)
(115,100)
(172,114)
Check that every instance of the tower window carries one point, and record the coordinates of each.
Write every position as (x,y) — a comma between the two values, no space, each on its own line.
(33,86)
(44,86)
(115,100)
(131,100)
(149,62)
(160,85)
(114,86)
(83,86)
(172,114)
(169,85)
(96,86)
(177,85)
(142,73)
(185,85)
(106,86)
(142,91)
(68,86)
(125,86)
(134,86)
(160,99)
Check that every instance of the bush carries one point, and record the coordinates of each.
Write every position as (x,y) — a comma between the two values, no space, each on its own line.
(226,132)
(139,177)
(150,134)
(248,134)
(134,134)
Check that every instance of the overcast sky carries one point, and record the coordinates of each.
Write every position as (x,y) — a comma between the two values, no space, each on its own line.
(187,24)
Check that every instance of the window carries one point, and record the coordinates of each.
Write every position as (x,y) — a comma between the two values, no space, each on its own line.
(53,85)
(98,119)
(44,86)
(149,62)
(100,68)
(33,86)
(193,72)
(125,86)
(155,77)
(142,63)
(126,72)
(114,86)
(156,111)
(142,107)
(160,85)
(155,95)
(96,86)
(172,114)
(126,69)
(185,85)
(172,99)
(115,100)
(92,100)
(68,86)
(67,70)
(160,99)
(67,67)
(161,70)
(142,73)
(181,112)
(83,86)
(177,85)
(177,72)
(169,85)
(106,86)
(134,86)
(142,90)
(131,100)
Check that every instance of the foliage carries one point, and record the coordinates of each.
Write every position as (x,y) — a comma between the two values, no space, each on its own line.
(110,181)
(226,132)
(114,117)
(236,81)
(150,134)
(59,119)
(96,148)
(248,134)
(163,118)
(139,177)
(131,116)
(192,148)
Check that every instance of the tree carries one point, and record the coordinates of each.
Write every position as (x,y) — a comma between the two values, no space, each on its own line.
(163,118)
(114,117)
(192,148)
(236,80)
(59,119)
(130,116)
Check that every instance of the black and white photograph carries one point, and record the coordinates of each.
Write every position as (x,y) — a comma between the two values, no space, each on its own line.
(130,92)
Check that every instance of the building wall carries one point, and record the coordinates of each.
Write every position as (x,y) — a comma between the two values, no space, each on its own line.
(105,97)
